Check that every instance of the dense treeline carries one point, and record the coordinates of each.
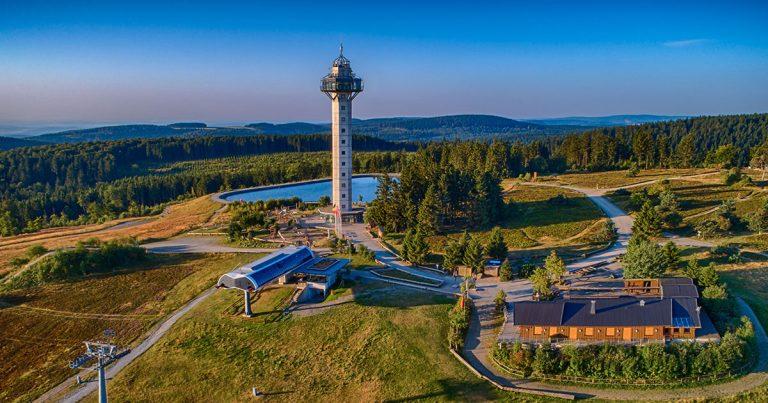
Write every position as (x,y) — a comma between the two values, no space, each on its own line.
(85,164)
(681,143)
(34,207)
(74,183)
(448,185)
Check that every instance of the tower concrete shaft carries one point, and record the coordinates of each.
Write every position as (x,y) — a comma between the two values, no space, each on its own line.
(341,86)
(341,152)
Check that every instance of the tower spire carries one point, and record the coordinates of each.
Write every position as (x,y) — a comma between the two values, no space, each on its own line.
(341,49)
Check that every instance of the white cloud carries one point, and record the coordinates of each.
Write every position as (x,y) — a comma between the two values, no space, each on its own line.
(685,43)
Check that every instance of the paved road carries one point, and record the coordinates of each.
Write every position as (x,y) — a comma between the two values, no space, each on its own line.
(199,244)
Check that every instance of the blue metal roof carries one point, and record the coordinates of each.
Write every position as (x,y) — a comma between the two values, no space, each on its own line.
(256,274)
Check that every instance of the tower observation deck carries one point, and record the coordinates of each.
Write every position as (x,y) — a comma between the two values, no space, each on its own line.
(341,86)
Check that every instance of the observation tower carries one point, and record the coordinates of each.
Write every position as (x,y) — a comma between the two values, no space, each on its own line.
(342,86)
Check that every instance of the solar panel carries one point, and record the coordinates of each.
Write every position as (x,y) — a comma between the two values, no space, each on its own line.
(682,322)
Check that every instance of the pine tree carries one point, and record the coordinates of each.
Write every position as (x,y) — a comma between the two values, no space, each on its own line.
(644,259)
(647,222)
(454,254)
(505,271)
(555,266)
(686,150)
(542,283)
(428,216)
(473,256)
(500,300)
(405,250)
(496,247)
(758,220)
(419,249)
(759,159)
(671,257)
(668,209)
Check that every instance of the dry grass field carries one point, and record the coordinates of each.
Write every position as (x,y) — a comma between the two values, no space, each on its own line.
(42,328)
(613,179)
(177,219)
(696,197)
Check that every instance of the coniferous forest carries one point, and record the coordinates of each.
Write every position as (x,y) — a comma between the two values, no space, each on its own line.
(85,182)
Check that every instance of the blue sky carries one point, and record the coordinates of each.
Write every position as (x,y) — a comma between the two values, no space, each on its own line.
(236,62)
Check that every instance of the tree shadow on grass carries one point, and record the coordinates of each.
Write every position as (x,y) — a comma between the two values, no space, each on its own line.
(12,300)
(690,251)
(454,389)
(399,297)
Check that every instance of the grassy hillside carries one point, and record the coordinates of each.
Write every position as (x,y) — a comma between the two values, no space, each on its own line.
(43,328)
(384,346)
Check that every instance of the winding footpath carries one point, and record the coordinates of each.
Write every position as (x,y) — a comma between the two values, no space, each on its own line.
(483,329)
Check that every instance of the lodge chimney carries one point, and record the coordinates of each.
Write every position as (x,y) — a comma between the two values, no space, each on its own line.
(592,307)
(642,302)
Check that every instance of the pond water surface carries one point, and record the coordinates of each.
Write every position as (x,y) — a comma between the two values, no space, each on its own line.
(364,186)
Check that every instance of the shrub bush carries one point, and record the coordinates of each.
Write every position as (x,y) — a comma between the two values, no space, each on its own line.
(654,362)
(458,322)
(85,259)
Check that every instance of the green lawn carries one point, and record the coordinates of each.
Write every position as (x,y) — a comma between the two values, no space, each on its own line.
(537,222)
(385,346)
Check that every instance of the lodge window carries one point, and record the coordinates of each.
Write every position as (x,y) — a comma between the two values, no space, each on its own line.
(590,331)
(649,331)
(610,331)
(537,330)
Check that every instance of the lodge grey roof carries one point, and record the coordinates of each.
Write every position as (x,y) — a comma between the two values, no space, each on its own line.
(678,287)
(622,311)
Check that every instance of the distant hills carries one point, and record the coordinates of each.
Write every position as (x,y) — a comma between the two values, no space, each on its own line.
(606,121)
(7,143)
(393,129)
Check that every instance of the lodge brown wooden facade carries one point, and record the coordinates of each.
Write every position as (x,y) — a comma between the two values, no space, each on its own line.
(612,333)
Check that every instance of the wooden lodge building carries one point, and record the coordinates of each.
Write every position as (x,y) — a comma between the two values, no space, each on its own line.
(646,310)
